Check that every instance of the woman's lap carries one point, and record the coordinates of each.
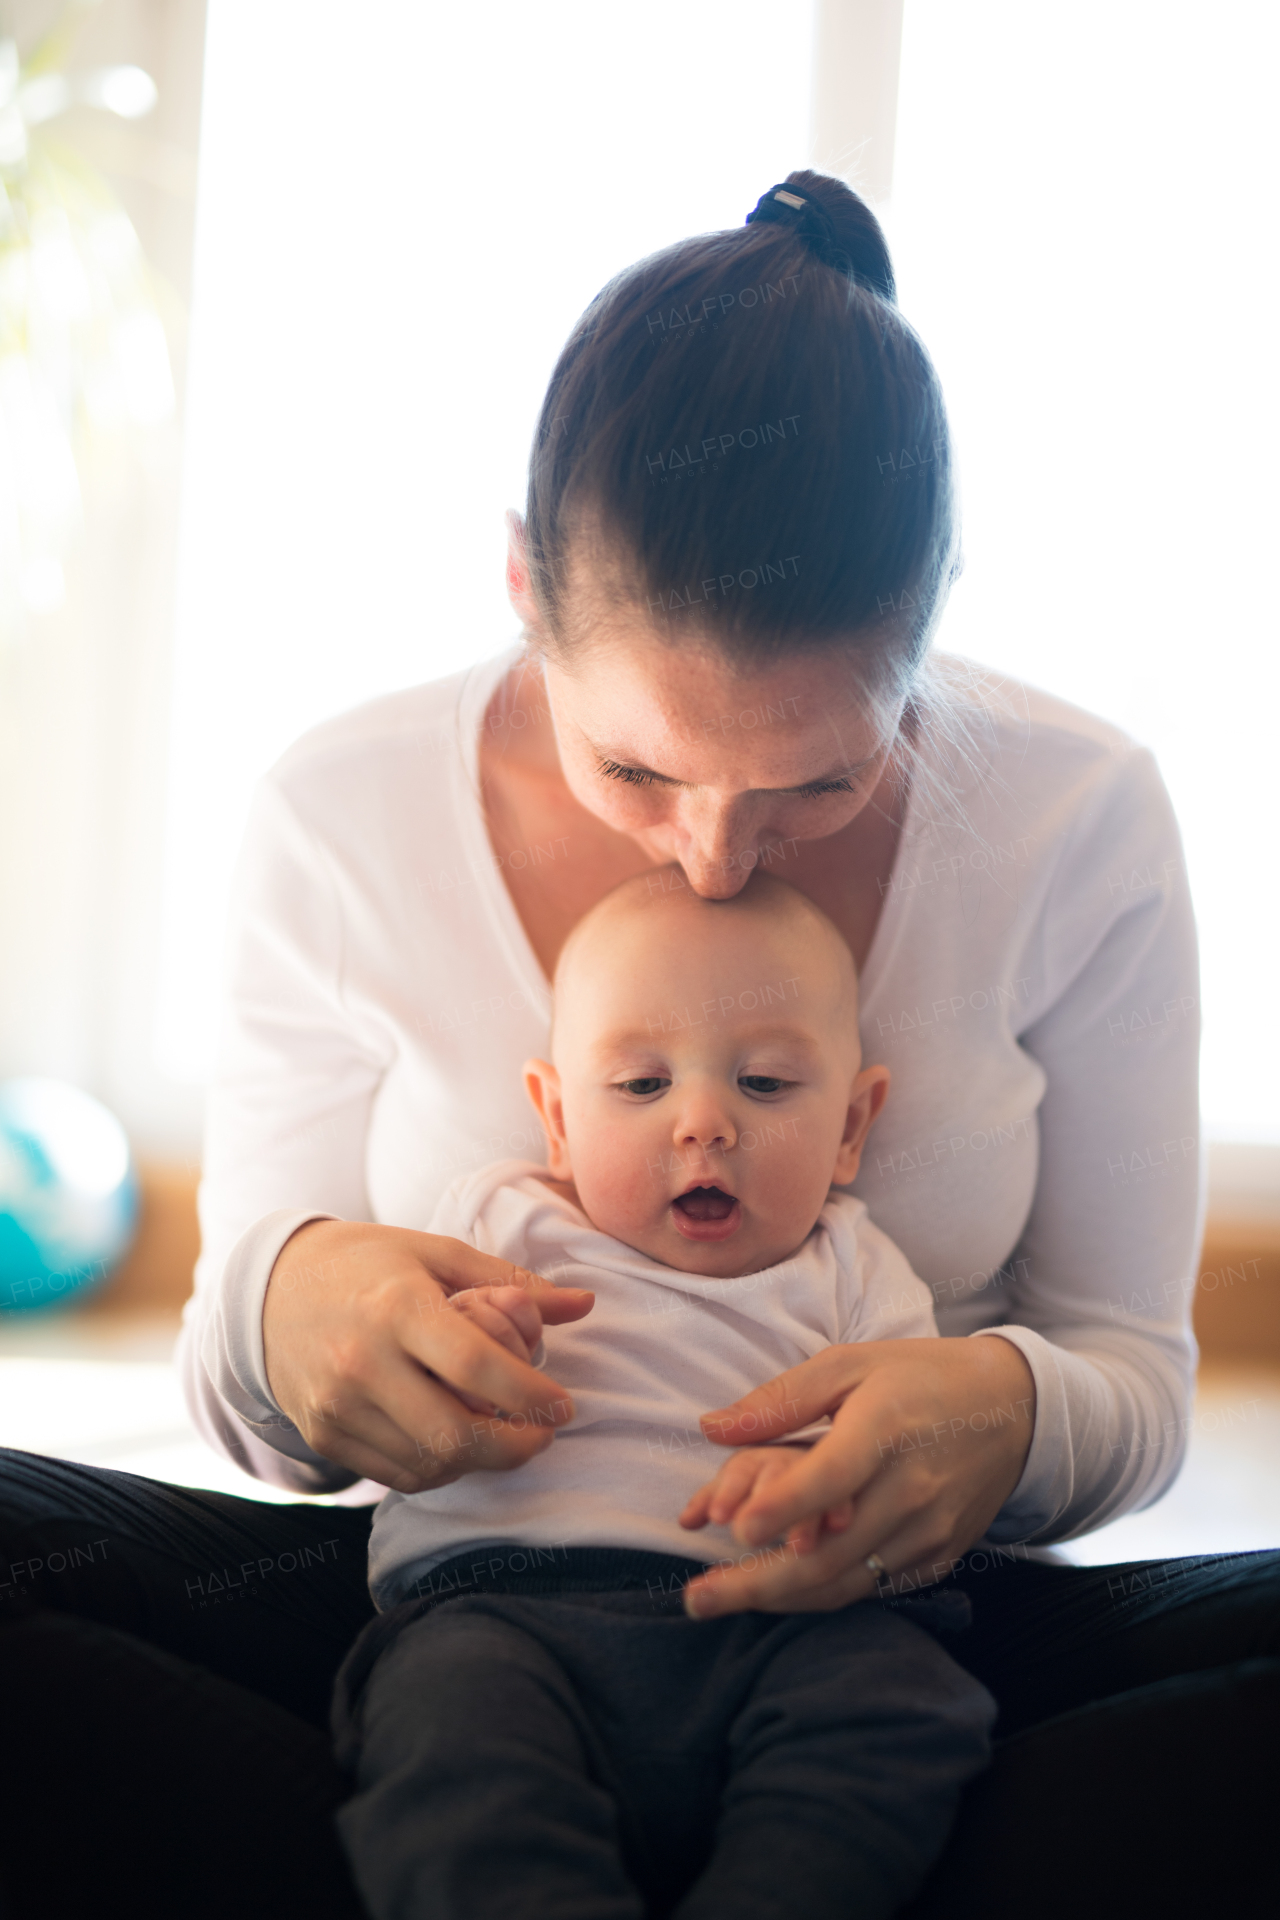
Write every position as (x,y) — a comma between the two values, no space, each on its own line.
(271,1596)
(267,1595)
(167,1657)
(268,1598)
(1160,1800)
(1049,1639)
(1132,1771)
(135,1783)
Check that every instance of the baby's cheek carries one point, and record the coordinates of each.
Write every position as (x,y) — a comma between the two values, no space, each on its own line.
(788,1162)
(622,1179)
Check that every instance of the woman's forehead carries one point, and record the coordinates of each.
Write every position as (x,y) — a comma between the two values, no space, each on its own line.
(639,685)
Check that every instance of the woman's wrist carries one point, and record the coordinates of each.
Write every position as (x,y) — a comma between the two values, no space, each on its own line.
(1012,1390)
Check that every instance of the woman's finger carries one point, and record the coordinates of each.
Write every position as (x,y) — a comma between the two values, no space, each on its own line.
(455,1263)
(443,1432)
(908,1529)
(360,1436)
(455,1266)
(369,1463)
(805,1534)
(792,1399)
(834,1470)
(778,1579)
(449,1345)
(424,1430)
(560,1304)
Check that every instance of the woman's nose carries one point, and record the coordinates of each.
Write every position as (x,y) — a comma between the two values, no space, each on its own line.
(715,846)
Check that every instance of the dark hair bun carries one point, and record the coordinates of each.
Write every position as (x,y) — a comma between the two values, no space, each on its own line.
(860,245)
(743,439)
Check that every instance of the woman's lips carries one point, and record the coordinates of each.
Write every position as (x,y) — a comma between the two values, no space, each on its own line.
(705,1213)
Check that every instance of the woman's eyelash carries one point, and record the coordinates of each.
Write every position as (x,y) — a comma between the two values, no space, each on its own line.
(823,786)
(634,776)
(642,777)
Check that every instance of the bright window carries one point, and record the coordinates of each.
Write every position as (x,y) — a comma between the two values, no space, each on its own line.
(402,211)
(1083,222)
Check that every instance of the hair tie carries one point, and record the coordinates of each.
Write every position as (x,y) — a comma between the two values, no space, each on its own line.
(807,218)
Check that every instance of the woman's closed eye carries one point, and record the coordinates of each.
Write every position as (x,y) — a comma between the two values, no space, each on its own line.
(649,1084)
(817,788)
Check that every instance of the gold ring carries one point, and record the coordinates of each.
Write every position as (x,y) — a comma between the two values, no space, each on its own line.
(875,1565)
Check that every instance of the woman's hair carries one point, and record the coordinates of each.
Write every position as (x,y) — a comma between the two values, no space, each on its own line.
(744,437)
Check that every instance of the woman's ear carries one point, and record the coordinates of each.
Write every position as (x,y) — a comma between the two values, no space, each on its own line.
(542,1084)
(519,589)
(866,1097)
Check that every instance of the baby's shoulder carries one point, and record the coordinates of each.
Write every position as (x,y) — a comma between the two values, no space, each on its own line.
(880,1294)
(504,1207)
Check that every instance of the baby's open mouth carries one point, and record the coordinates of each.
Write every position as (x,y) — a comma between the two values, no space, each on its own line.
(706,1213)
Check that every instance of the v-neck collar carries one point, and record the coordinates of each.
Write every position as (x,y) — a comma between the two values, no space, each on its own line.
(890,924)
(477,691)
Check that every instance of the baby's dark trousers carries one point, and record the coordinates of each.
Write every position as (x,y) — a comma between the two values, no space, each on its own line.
(589,1752)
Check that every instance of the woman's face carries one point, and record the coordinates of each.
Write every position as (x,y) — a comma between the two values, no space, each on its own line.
(714,769)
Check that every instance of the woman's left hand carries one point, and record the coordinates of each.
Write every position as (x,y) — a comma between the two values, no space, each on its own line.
(928,1440)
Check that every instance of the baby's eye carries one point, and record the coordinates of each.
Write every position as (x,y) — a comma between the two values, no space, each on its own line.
(760,1083)
(641,1087)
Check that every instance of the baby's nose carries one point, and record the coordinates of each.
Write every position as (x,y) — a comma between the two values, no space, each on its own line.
(705,1123)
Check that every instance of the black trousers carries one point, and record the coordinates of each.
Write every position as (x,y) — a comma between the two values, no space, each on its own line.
(591,1751)
(167,1659)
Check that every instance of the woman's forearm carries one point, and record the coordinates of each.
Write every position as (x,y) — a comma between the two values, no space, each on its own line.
(222,1368)
(1114,1409)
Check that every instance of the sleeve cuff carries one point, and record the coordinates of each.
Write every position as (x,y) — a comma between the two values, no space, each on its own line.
(1048,1479)
(232,1349)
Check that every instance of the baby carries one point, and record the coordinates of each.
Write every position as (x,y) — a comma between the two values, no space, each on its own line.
(535,1724)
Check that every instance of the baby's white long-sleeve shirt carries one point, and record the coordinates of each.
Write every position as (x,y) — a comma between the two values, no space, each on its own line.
(658,1349)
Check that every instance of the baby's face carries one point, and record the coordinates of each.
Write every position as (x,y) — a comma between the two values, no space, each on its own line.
(707,1089)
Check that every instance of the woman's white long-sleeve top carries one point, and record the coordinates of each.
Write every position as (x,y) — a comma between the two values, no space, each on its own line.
(1032,985)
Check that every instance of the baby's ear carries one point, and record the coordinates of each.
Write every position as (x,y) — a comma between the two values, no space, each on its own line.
(542,1084)
(866,1097)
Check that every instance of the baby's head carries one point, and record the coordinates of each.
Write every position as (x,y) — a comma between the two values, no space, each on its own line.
(707,1087)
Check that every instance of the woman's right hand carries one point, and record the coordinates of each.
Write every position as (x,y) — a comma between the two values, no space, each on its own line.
(358,1354)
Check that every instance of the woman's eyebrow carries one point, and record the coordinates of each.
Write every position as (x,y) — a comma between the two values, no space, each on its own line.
(847,770)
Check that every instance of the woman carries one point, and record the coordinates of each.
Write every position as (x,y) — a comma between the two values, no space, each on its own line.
(739,540)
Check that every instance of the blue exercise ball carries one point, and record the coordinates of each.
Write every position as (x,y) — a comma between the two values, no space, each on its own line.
(68,1193)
